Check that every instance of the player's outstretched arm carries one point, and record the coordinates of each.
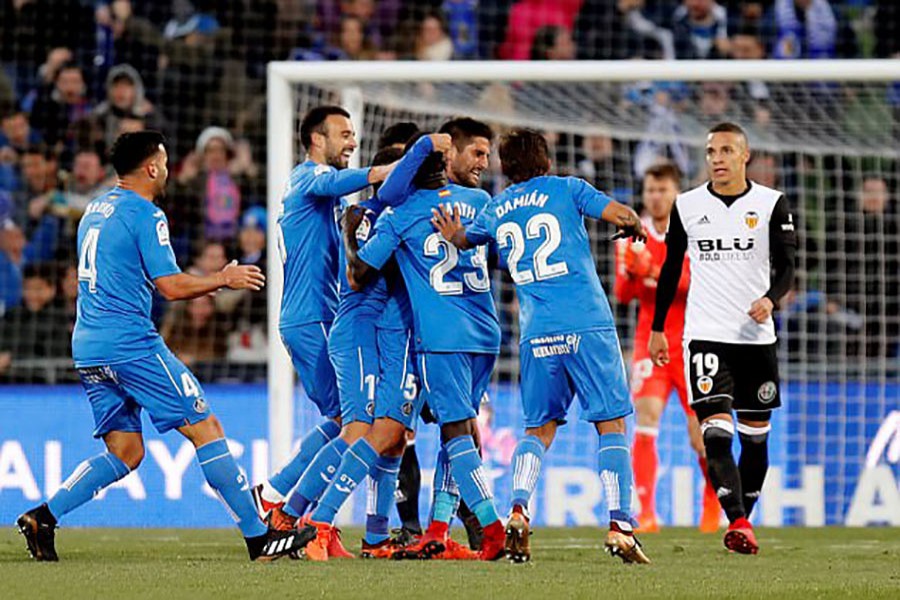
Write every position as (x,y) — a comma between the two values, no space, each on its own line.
(627,222)
(184,286)
(450,226)
(669,276)
(359,273)
(399,185)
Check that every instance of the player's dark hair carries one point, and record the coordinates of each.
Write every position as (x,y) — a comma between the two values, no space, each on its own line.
(524,154)
(728,127)
(398,133)
(464,129)
(664,170)
(314,122)
(40,270)
(432,174)
(385,156)
(130,150)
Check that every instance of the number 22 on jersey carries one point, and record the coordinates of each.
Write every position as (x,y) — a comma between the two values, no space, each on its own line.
(541,225)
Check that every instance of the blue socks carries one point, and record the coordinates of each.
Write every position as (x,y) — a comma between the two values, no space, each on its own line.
(382,487)
(445,497)
(526,468)
(231,485)
(87,479)
(467,471)
(617,477)
(356,464)
(316,477)
(285,479)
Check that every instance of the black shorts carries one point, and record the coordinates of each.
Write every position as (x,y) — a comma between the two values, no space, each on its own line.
(725,377)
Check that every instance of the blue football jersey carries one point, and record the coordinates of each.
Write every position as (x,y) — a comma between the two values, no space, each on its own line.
(358,310)
(308,240)
(453,309)
(538,226)
(123,245)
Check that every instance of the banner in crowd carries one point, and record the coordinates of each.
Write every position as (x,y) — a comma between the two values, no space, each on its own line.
(832,461)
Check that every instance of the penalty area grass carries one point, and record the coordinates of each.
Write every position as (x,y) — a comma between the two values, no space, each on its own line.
(567,563)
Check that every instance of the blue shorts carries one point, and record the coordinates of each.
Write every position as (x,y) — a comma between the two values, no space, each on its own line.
(397,396)
(455,383)
(556,367)
(357,377)
(159,383)
(308,347)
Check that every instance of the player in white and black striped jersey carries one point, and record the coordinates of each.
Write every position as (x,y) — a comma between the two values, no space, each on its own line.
(740,238)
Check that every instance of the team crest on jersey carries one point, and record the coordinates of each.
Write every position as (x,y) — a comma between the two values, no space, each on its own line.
(751,219)
(766,392)
(200,406)
(705,384)
(162,233)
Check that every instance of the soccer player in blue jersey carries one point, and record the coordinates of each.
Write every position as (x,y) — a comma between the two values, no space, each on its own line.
(568,337)
(308,243)
(455,362)
(124,252)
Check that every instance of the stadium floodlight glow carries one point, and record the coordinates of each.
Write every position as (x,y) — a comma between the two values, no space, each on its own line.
(571,97)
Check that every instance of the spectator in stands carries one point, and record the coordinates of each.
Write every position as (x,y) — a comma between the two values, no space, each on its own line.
(16,135)
(526,17)
(188,23)
(378,19)
(700,28)
(353,43)
(208,189)
(32,329)
(553,43)
(433,40)
(863,268)
(753,96)
(89,179)
(462,23)
(805,29)
(125,98)
(620,29)
(59,105)
(12,247)
(193,332)
(763,169)
(135,40)
(248,341)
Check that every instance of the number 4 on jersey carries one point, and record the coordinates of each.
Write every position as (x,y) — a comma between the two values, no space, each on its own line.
(87,260)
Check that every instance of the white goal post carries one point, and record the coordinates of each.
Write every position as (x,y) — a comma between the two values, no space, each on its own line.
(346,77)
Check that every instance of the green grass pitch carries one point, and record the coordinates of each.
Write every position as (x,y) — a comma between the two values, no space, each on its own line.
(567,563)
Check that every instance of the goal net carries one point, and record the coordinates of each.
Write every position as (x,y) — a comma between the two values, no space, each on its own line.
(824,132)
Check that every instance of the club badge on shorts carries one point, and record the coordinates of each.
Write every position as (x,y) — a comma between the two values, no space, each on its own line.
(766,392)
(705,384)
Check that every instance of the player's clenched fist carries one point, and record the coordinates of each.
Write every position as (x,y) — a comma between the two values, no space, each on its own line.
(659,348)
(441,142)
(761,309)
(242,277)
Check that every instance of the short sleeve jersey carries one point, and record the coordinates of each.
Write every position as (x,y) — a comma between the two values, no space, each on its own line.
(538,226)
(453,309)
(123,246)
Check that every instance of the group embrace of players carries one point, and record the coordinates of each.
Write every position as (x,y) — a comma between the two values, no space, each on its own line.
(388,314)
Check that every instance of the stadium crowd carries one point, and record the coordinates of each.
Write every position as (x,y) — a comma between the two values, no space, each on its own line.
(76,73)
